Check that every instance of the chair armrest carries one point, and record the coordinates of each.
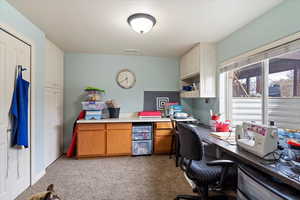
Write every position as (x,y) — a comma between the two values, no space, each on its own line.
(224,163)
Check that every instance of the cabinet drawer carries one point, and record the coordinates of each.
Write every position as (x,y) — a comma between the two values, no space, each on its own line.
(118,142)
(162,132)
(125,132)
(91,143)
(119,126)
(90,127)
(162,144)
(163,125)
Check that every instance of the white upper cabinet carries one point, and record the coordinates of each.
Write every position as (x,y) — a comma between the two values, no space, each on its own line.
(54,66)
(198,68)
(189,64)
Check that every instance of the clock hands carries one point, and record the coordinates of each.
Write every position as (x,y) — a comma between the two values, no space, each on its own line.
(126,79)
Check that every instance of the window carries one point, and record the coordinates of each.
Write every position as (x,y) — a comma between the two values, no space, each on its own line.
(283,104)
(265,91)
(246,101)
(284,76)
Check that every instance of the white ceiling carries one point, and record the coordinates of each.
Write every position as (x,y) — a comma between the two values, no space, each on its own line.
(99,26)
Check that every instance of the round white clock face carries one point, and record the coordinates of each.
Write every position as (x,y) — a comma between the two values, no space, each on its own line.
(125,79)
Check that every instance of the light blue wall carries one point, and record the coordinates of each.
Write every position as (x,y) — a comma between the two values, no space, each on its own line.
(81,70)
(9,16)
(279,22)
(201,109)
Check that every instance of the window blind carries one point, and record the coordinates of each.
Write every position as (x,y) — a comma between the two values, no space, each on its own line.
(258,57)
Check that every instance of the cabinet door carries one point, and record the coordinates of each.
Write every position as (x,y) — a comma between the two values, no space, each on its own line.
(119,142)
(195,60)
(163,125)
(91,143)
(183,65)
(207,70)
(162,144)
(54,66)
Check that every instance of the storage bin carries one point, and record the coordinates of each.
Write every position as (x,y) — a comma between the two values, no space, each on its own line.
(142,147)
(93,105)
(114,112)
(141,129)
(93,115)
(141,135)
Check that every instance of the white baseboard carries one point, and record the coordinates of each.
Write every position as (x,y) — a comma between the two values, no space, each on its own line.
(37,177)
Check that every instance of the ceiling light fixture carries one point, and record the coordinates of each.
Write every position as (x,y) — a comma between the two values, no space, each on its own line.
(141,22)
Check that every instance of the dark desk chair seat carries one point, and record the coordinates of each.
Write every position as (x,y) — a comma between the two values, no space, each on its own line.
(207,175)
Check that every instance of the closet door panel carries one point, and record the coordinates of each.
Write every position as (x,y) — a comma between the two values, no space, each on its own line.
(3,126)
(52,126)
(15,163)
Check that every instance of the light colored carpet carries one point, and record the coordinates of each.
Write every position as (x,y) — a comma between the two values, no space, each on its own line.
(114,178)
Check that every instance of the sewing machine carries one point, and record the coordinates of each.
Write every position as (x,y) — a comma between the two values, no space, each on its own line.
(257,139)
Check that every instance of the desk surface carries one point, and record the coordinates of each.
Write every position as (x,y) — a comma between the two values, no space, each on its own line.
(133,119)
(246,157)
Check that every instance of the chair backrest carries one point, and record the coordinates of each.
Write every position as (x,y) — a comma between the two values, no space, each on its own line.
(190,143)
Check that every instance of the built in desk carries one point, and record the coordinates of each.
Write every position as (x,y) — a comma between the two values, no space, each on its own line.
(245,157)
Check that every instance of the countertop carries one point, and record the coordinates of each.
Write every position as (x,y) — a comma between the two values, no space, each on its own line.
(134,119)
(246,157)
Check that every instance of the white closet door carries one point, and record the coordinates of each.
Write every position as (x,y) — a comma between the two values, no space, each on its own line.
(3,118)
(52,125)
(14,163)
(53,103)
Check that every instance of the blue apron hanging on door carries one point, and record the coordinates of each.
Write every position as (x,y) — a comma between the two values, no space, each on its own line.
(19,111)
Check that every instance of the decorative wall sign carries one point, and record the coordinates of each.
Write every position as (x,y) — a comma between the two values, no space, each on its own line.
(160,102)
(154,100)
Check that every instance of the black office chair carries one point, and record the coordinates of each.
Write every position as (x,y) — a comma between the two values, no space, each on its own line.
(207,175)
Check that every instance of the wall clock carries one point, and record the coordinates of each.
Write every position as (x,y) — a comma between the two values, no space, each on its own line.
(126,79)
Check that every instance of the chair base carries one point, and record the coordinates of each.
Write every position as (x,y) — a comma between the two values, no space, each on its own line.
(194,197)
(188,197)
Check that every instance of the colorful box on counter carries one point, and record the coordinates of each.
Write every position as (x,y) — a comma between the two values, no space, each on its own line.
(175,108)
(93,105)
(93,115)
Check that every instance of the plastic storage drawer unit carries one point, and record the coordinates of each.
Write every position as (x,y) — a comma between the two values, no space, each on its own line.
(142,136)
(142,147)
(141,129)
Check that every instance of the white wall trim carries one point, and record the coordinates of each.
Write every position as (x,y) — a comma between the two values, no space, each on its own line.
(36,177)
(33,175)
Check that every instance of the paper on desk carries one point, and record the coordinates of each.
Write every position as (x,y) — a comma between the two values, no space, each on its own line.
(227,136)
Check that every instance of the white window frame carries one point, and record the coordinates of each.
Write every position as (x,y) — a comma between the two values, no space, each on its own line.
(225,87)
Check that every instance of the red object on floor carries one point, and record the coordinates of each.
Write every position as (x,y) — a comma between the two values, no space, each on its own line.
(149,113)
(72,147)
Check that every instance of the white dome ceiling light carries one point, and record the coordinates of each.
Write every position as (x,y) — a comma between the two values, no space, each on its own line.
(141,22)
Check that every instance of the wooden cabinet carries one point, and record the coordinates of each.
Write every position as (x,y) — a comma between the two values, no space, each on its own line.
(119,138)
(100,139)
(119,126)
(119,142)
(198,66)
(163,125)
(91,140)
(162,137)
(91,143)
(162,144)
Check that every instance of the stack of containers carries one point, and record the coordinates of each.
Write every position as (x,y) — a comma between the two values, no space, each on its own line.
(142,139)
(93,104)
